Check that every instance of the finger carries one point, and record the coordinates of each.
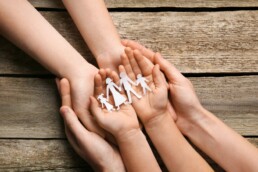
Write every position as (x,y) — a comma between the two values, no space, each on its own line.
(157,78)
(135,45)
(170,71)
(95,110)
(108,72)
(98,85)
(144,64)
(72,122)
(115,77)
(65,92)
(72,139)
(133,63)
(102,73)
(127,66)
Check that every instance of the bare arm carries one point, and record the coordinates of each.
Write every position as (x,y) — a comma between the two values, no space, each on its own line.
(136,152)
(124,126)
(229,149)
(222,144)
(27,29)
(176,152)
(96,27)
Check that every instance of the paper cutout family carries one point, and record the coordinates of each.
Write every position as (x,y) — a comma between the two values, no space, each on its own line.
(115,90)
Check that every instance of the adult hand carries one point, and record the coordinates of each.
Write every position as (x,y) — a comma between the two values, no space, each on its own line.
(182,94)
(82,84)
(100,154)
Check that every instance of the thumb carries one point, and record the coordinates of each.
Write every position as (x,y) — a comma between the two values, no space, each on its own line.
(157,77)
(72,122)
(170,71)
(95,110)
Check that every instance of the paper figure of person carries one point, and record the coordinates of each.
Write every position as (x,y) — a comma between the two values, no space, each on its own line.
(142,81)
(118,98)
(104,102)
(126,82)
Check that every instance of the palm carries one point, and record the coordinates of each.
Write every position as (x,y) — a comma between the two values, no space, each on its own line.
(81,90)
(118,122)
(152,102)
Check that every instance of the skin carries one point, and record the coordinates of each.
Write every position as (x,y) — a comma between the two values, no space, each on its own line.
(24,26)
(226,147)
(83,145)
(124,126)
(175,151)
(97,29)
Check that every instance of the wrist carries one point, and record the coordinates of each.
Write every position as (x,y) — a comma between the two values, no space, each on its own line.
(129,136)
(201,124)
(82,71)
(158,121)
(110,59)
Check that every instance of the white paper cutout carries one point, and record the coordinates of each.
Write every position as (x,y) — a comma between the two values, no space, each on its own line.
(142,81)
(118,98)
(125,81)
(104,102)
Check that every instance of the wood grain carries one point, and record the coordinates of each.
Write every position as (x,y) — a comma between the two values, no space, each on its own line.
(48,155)
(155,3)
(221,42)
(29,107)
(39,155)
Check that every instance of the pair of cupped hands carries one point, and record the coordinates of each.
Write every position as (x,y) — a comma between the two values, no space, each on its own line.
(91,130)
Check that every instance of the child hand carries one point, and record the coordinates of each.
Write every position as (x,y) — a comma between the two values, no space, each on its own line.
(118,123)
(155,101)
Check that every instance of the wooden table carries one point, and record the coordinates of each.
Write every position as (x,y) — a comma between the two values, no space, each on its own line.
(214,43)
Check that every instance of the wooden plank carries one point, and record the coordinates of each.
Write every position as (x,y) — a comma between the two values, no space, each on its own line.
(233,99)
(155,3)
(29,106)
(221,42)
(49,155)
(39,155)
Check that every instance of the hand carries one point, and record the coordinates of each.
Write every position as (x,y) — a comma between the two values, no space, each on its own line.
(90,146)
(182,94)
(110,59)
(118,123)
(81,90)
(155,101)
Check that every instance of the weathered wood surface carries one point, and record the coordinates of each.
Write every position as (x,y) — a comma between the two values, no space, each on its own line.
(29,106)
(156,3)
(49,155)
(221,42)
(39,155)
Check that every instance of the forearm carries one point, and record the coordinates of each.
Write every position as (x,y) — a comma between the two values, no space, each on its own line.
(136,152)
(229,149)
(23,25)
(176,152)
(96,27)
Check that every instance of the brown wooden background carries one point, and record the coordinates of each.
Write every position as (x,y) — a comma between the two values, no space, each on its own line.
(214,43)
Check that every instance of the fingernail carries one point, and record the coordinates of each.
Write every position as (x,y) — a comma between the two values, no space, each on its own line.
(65,110)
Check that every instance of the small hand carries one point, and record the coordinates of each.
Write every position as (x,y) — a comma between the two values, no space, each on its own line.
(155,102)
(83,140)
(118,123)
